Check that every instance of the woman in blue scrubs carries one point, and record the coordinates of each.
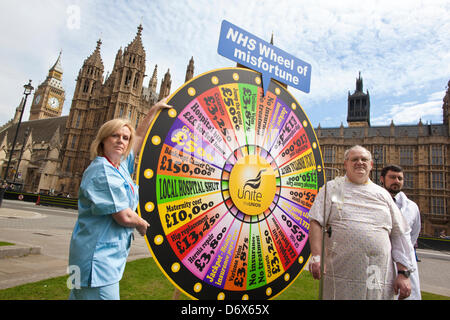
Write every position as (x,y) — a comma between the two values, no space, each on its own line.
(107,200)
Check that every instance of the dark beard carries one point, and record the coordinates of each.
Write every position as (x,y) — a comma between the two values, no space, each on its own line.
(393,192)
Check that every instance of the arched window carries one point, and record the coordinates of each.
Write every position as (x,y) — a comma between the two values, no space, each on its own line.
(86,85)
(78,120)
(128,78)
(74,139)
(136,81)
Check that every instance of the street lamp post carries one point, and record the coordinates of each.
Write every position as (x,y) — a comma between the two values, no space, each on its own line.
(376,157)
(27,133)
(28,89)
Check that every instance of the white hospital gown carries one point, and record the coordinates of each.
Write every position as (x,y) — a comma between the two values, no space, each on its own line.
(410,212)
(368,235)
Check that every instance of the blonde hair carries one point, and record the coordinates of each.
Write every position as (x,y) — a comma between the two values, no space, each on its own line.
(106,130)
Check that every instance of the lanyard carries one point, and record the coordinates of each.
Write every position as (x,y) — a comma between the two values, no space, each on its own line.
(117,168)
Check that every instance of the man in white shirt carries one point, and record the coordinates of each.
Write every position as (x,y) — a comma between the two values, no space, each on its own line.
(392,179)
(368,236)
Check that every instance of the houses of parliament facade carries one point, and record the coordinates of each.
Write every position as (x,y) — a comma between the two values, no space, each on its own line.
(52,151)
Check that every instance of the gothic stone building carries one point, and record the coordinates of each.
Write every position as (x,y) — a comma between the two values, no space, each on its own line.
(96,101)
(423,150)
(52,151)
(35,160)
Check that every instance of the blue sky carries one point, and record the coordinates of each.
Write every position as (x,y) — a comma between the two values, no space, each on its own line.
(402,48)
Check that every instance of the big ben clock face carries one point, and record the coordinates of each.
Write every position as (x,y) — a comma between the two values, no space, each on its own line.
(226,180)
(53,102)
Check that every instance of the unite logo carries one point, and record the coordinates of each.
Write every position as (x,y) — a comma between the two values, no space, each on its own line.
(252,184)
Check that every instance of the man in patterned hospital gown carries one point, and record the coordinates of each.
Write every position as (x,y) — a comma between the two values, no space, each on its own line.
(368,235)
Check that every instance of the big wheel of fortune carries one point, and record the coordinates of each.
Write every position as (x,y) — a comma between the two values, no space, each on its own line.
(226,180)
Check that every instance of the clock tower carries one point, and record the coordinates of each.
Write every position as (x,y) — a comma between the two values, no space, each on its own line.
(358,114)
(49,97)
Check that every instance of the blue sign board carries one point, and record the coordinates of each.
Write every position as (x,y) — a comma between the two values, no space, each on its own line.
(272,62)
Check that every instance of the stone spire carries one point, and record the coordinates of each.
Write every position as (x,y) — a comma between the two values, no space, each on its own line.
(152,84)
(136,45)
(166,83)
(95,58)
(57,66)
(189,70)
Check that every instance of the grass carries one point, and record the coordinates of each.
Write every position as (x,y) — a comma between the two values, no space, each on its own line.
(2,243)
(143,280)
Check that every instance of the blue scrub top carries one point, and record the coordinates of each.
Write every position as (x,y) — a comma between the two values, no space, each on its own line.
(99,245)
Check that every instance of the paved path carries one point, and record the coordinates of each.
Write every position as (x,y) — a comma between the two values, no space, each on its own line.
(50,230)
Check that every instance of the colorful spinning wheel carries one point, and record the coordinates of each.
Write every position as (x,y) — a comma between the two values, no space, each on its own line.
(226,180)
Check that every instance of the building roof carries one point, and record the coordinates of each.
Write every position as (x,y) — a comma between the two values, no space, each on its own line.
(57,66)
(95,59)
(136,45)
(420,130)
(42,130)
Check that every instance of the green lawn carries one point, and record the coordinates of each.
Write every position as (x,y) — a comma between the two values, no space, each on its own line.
(143,280)
(6,244)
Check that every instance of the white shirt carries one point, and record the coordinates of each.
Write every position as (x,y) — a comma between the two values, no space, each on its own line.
(411,213)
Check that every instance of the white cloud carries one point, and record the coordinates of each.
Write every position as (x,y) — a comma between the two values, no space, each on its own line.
(409,114)
(28,36)
(412,113)
(437,96)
